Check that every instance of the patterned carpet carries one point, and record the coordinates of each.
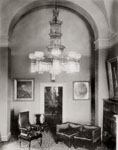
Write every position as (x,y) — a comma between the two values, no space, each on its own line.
(48,143)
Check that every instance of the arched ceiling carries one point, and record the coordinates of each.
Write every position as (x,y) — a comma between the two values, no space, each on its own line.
(10,7)
(66,5)
(31,32)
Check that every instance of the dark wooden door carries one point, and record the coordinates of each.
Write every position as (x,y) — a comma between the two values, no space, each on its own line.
(53,104)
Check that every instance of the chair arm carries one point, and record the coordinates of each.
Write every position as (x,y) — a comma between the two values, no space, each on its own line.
(34,125)
(23,129)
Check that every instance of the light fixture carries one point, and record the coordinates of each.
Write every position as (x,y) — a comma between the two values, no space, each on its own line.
(55,61)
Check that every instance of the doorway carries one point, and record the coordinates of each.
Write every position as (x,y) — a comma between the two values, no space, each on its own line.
(53,96)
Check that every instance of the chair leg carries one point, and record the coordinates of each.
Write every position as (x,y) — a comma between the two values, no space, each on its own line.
(40,141)
(29,145)
(20,141)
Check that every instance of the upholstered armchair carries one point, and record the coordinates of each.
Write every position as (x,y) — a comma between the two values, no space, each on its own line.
(28,131)
(66,131)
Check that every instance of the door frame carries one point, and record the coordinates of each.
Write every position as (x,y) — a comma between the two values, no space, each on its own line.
(42,101)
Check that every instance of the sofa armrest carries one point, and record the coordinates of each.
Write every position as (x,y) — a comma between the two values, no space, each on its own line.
(61,126)
(96,134)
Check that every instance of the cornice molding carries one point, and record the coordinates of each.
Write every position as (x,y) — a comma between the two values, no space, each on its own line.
(4,41)
(99,43)
(102,44)
(106,43)
(114,39)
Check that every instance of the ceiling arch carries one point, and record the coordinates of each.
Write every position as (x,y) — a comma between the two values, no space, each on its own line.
(65,4)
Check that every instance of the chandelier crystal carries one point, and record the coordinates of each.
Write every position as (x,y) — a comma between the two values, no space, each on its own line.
(55,61)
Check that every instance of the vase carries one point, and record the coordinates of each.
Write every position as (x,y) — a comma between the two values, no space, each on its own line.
(42,118)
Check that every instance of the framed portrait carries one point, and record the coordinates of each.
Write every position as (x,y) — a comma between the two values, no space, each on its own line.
(112,66)
(81,90)
(23,89)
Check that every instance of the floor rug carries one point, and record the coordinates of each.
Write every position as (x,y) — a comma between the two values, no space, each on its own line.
(48,143)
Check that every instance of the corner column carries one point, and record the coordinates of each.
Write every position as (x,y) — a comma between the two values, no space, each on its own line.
(116,116)
(4,92)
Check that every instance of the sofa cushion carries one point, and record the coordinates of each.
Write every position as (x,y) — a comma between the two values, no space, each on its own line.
(69,131)
(90,127)
(72,125)
(62,126)
(84,135)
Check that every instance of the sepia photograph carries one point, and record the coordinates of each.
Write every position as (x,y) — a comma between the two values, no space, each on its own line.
(23,89)
(81,90)
(58,74)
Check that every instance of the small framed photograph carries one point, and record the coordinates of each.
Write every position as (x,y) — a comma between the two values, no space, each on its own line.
(112,66)
(23,89)
(81,90)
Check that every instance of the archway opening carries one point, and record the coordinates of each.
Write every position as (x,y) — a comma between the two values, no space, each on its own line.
(76,10)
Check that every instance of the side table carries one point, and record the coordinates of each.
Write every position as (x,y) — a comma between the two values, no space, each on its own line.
(44,126)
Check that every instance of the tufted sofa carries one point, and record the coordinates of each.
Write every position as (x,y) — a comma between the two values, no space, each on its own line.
(72,134)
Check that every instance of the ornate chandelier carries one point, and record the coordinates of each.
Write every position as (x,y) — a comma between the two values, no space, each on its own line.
(55,61)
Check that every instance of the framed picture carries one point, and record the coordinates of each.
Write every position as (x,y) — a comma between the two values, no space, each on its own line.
(23,89)
(112,66)
(81,90)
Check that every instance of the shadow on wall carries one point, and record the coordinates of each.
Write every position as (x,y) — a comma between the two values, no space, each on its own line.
(0,137)
(14,123)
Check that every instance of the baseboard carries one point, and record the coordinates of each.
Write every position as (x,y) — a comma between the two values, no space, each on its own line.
(6,138)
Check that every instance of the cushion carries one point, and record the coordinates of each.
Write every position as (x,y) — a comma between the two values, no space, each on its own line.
(84,134)
(69,131)
(74,125)
(62,126)
(89,127)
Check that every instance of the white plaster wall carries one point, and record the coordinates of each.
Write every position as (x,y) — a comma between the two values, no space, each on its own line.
(31,33)
(28,37)
(82,108)
(72,110)
(4,104)
(102,85)
(9,8)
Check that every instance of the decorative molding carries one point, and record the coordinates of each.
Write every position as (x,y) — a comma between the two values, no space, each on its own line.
(114,39)
(4,41)
(102,44)
(106,43)
(6,137)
